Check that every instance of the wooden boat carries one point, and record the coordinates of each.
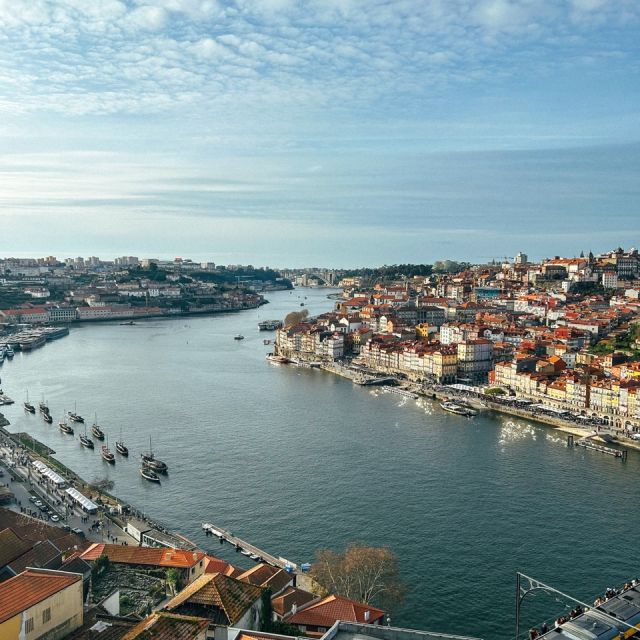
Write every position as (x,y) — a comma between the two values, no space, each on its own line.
(149,475)
(107,455)
(120,447)
(85,441)
(47,417)
(65,427)
(96,431)
(149,461)
(28,406)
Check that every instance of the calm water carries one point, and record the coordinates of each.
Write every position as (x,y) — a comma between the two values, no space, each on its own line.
(294,460)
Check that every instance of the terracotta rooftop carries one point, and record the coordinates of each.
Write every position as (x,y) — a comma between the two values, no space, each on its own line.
(32,529)
(40,555)
(144,555)
(30,587)
(264,575)
(216,591)
(283,603)
(216,565)
(12,546)
(168,626)
(332,608)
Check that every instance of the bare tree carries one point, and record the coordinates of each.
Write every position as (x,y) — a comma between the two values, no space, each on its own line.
(295,317)
(366,574)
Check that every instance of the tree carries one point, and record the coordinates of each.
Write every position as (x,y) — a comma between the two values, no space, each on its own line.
(295,317)
(172,580)
(266,611)
(365,574)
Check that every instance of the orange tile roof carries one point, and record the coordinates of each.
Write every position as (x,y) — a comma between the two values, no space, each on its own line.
(264,575)
(168,626)
(331,609)
(283,603)
(216,565)
(12,546)
(216,591)
(144,555)
(30,587)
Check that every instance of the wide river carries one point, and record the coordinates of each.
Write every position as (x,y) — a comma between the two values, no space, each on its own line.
(295,460)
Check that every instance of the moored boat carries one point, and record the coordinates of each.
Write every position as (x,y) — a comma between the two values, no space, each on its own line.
(238,337)
(85,441)
(107,455)
(65,427)
(149,475)
(28,406)
(270,325)
(277,359)
(458,409)
(8,351)
(96,431)
(47,417)
(120,446)
(151,462)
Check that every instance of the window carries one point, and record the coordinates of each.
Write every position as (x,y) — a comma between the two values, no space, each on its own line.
(46,615)
(28,625)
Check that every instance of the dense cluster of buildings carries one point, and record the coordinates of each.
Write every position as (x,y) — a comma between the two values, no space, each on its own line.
(51,587)
(46,290)
(564,330)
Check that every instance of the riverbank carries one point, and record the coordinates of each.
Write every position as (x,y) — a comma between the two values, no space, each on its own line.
(364,377)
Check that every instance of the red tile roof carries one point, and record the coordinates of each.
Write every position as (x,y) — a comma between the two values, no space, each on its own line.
(264,575)
(283,603)
(30,587)
(216,565)
(144,555)
(230,597)
(331,609)
(168,626)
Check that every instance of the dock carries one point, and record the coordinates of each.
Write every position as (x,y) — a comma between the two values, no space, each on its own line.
(242,545)
(588,443)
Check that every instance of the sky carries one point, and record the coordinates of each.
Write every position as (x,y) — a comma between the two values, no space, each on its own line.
(337,133)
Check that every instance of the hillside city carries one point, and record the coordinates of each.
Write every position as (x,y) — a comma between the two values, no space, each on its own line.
(556,340)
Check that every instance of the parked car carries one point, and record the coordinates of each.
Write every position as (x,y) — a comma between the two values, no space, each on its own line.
(54,518)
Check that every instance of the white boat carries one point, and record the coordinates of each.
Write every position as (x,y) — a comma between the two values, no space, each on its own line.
(458,409)
(8,352)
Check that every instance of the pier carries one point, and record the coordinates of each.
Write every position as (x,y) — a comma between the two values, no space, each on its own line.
(257,554)
(588,443)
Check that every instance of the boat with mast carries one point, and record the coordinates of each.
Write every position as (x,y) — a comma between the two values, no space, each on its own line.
(85,440)
(44,409)
(47,417)
(65,427)
(149,461)
(106,454)
(96,431)
(74,416)
(28,406)
(120,446)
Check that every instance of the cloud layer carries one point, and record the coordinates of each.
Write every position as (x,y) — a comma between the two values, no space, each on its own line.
(106,56)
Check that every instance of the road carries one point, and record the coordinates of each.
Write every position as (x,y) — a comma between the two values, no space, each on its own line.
(96,528)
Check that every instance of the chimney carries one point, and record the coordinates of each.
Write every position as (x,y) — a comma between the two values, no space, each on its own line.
(294,609)
(367,615)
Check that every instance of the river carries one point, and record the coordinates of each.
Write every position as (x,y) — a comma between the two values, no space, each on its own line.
(294,460)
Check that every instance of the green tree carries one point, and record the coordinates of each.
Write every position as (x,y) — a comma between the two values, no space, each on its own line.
(266,611)
(172,578)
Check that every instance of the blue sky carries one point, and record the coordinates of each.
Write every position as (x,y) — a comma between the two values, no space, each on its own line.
(333,132)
